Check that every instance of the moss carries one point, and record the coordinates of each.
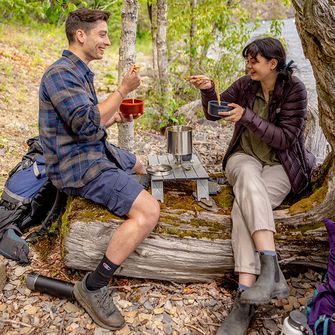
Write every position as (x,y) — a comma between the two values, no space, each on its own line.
(225,198)
(45,246)
(207,229)
(306,204)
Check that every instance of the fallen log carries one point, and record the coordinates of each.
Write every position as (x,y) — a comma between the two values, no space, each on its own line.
(191,243)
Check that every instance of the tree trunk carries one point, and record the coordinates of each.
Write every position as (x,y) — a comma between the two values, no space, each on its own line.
(315,21)
(190,244)
(162,57)
(193,29)
(127,57)
(152,10)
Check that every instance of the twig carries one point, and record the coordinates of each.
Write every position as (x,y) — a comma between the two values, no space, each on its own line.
(212,324)
(195,328)
(271,318)
(131,286)
(62,325)
(16,323)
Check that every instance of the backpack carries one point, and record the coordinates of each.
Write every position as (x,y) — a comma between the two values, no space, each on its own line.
(320,309)
(29,198)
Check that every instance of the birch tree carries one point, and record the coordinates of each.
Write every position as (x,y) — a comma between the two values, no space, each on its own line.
(152,11)
(162,13)
(127,57)
(192,35)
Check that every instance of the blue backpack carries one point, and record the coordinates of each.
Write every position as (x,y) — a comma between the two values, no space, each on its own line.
(321,307)
(28,199)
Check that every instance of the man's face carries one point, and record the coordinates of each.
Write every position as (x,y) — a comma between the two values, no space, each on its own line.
(96,41)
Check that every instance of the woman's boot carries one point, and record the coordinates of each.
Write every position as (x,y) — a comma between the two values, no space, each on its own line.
(237,322)
(271,283)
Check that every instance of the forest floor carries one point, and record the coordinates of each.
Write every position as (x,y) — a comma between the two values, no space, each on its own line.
(150,307)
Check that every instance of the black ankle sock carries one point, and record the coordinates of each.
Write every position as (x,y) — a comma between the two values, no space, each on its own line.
(102,274)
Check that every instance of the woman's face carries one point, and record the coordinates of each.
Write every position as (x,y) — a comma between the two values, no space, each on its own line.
(260,68)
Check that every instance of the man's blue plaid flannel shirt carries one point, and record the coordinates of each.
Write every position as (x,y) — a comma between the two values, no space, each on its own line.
(73,141)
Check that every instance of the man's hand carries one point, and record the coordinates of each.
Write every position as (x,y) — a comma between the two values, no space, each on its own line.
(199,81)
(118,117)
(131,81)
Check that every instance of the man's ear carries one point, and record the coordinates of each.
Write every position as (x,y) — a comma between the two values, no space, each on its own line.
(80,35)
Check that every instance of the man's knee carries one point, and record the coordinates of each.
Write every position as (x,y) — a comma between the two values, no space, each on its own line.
(145,210)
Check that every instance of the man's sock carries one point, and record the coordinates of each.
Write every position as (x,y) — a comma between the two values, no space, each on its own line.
(102,274)
(268,252)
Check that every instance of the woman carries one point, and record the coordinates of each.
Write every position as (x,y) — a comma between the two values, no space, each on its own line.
(265,160)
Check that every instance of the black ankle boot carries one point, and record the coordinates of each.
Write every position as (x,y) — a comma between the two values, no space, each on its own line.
(271,283)
(237,322)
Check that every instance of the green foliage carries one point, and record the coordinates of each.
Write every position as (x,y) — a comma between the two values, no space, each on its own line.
(21,10)
(169,117)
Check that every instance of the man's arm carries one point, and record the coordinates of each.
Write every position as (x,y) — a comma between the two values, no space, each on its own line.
(109,107)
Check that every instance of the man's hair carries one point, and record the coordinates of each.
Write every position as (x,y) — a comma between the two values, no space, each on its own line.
(85,19)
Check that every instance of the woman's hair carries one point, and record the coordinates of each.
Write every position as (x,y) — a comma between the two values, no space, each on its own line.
(270,48)
(85,19)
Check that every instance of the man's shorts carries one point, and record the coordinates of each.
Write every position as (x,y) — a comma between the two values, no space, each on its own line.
(113,188)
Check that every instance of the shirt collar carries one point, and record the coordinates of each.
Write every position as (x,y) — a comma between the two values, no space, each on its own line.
(260,94)
(78,62)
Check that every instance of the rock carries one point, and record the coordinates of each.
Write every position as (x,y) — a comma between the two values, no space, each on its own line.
(71,308)
(270,325)
(20,270)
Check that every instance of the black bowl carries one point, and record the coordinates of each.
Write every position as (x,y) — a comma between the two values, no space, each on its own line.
(214,108)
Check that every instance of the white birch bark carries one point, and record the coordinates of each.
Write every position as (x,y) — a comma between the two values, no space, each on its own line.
(127,57)
(162,11)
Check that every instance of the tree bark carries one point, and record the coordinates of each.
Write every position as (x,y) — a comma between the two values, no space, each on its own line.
(152,10)
(315,21)
(162,56)
(127,57)
(193,29)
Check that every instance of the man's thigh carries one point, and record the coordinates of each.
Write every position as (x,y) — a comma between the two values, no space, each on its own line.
(114,189)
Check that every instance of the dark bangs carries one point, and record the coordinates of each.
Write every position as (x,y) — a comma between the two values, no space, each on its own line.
(251,50)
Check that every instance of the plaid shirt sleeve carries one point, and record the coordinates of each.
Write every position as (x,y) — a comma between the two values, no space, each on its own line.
(69,96)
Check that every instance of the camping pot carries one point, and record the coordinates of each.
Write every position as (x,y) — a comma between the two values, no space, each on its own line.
(179,140)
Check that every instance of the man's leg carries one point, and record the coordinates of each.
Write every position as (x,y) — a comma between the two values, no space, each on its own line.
(124,196)
(142,219)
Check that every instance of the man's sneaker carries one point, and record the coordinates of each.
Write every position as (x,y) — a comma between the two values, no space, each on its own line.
(99,305)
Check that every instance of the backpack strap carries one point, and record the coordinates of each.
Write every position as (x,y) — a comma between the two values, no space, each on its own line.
(38,174)
(325,320)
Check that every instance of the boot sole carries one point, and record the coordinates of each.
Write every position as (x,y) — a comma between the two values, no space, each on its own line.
(91,312)
(278,294)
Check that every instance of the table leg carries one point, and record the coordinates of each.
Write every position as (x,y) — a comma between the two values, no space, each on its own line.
(157,190)
(202,189)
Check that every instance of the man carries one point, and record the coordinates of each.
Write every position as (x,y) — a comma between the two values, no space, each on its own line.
(81,162)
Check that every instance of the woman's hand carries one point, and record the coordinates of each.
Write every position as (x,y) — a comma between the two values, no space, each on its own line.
(200,82)
(235,114)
